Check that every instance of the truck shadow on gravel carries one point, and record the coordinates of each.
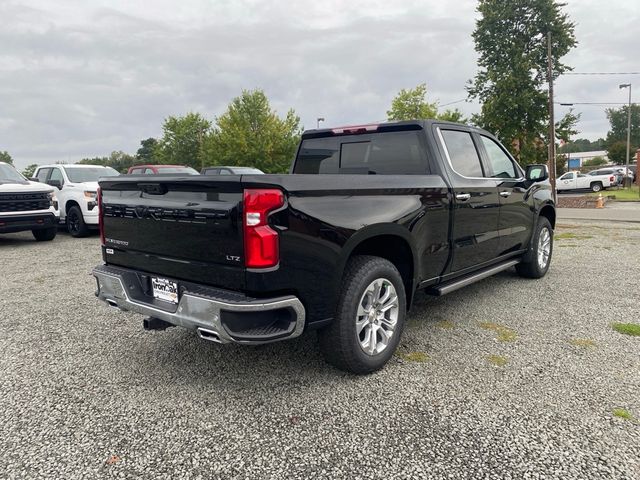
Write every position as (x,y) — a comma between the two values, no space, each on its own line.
(181,352)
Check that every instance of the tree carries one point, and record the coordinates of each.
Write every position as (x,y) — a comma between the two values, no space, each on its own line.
(411,104)
(617,152)
(30,170)
(454,115)
(566,127)
(182,140)
(511,41)
(6,158)
(582,145)
(618,132)
(594,162)
(250,133)
(146,153)
(117,160)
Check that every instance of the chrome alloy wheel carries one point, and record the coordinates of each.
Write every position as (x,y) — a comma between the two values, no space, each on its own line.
(544,247)
(377,316)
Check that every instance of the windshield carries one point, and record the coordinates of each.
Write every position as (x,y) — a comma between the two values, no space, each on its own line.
(246,170)
(187,170)
(10,174)
(91,174)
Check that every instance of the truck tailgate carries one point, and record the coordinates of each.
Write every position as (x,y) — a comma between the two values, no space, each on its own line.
(178,227)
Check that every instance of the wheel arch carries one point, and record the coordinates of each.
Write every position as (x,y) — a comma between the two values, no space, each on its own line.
(71,203)
(549,213)
(391,242)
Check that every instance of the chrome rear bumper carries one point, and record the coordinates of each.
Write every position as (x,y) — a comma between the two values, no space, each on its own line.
(217,315)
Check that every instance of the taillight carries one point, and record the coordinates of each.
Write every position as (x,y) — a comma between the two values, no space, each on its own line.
(261,248)
(100,220)
(611,179)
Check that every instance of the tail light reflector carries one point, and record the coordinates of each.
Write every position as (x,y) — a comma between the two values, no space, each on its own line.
(611,179)
(100,220)
(261,245)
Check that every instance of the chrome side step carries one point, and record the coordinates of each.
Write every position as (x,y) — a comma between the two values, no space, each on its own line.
(469,279)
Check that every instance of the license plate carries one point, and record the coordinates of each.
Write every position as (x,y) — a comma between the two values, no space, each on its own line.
(164,290)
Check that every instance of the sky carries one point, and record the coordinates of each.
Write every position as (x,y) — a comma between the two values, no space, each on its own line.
(82,78)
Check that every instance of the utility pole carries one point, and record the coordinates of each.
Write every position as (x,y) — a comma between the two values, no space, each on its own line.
(626,173)
(318,120)
(552,126)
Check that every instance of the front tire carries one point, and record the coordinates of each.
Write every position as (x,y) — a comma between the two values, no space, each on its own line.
(75,223)
(369,319)
(45,235)
(536,262)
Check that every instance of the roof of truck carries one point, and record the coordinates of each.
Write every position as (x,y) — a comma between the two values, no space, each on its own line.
(384,126)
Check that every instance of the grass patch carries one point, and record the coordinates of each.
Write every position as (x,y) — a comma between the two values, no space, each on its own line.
(419,357)
(503,333)
(570,236)
(622,195)
(622,413)
(632,329)
(446,324)
(497,360)
(582,342)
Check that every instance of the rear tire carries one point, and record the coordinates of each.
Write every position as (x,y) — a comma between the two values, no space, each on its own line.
(370,317)
(45,235)
(75,223)
(596,187)
(536,262)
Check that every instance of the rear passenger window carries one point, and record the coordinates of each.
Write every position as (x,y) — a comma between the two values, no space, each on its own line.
(462,152)
(42,174)
(390,153)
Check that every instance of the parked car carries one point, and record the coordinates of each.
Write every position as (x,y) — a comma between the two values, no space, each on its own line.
(231,171)
(617,174)
(77,193)
(381,213)
(581,181)
(26,205)
(156,169)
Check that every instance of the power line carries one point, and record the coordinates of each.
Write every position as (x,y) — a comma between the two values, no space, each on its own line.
(569,104)
(601,73)
(452,103)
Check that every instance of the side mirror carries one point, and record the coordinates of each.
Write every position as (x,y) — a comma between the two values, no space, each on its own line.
(55,183)
(537,173)
(34,179)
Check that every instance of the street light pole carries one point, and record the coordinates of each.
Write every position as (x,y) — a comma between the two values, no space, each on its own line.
(626,173)
(318,120)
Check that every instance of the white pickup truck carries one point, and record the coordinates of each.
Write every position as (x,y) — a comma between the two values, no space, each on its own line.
(77,193)
(26,205)
(580,181)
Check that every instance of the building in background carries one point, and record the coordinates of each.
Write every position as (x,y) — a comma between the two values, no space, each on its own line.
(576,160)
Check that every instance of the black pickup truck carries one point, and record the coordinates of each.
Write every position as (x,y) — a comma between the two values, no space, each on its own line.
(369,216)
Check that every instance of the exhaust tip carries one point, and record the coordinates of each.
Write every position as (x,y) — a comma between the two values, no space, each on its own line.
(111,303)
(209,335)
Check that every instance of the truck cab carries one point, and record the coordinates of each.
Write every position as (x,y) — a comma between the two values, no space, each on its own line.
(76,187)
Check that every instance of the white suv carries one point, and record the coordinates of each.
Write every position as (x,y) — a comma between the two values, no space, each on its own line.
(78,186)
(26,205)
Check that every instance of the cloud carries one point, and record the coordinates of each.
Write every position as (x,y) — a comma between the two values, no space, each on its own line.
(84,78)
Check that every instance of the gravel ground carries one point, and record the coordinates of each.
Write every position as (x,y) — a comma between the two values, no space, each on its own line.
(508,378)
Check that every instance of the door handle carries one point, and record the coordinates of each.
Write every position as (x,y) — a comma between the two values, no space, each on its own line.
(505,194)
(463,197)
